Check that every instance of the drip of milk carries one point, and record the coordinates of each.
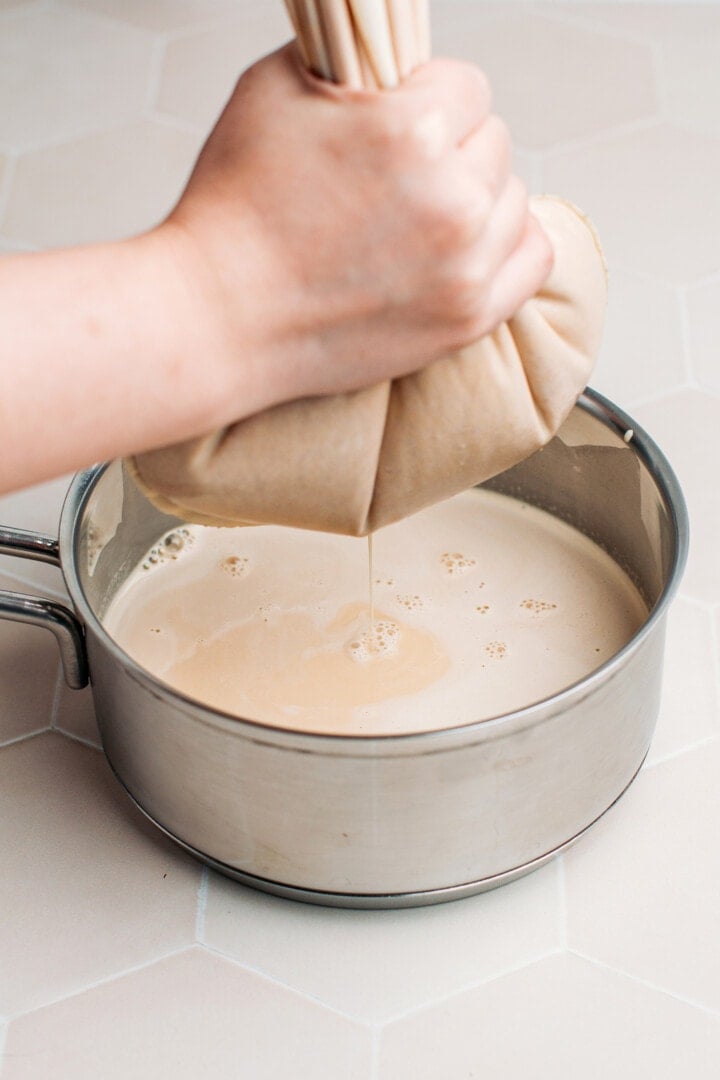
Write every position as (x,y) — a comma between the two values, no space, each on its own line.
(475,607)
(371,586)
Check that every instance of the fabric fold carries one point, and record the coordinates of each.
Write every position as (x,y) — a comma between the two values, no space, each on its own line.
(352,463)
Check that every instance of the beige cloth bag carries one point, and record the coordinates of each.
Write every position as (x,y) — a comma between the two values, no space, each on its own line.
(355,462)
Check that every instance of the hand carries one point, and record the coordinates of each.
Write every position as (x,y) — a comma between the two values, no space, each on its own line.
(343,237)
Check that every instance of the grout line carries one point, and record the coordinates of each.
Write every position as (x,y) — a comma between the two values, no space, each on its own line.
(685,335)
(25,9)
(554,12)
(244,966)
(707,740)
(205,26)
(155,73)
(713,278)
(25,737)
(690,1002)
(375,1034)
(59,683)
(583,142)
(41,589)
(512,969)
(177,123)
(715,642)
(657,54)
(78,739)
(3,1041)
(91,131)
(102,19)
(103,982)
(202,896)
(10,167)
(658,396)
(563,899)
(701,605)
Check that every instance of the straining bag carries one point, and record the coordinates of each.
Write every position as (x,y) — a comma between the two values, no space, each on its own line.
(353,462)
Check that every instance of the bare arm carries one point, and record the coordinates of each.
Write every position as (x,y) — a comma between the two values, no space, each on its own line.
(326,240)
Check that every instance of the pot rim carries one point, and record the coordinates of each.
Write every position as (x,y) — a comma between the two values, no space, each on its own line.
(430,741)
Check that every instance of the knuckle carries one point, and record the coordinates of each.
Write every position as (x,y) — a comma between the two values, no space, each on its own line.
(544,253)
(455,217)
(388,137)
(470,79)
(464,300)
(453,228)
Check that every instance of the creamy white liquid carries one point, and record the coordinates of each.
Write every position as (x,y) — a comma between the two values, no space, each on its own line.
(482,605)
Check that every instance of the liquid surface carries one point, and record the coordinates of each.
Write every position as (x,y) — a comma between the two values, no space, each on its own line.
(482,605)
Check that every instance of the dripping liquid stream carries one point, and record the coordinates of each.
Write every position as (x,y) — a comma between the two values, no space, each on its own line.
(371,590)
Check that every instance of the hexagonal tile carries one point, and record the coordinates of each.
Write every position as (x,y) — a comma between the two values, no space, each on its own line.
(36,508)
(703,305)
(653,196)
(130,179)
(158,14)
(552,82)
(201,68)
(689,38)
(62,74)
(29,665)
(642,893)
(398,959)
(189,1016)
(689,706)
(75,714)
(642,349)
(88,888)
(686,425)
(561,1017)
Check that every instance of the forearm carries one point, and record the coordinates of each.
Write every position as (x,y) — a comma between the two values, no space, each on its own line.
(105,350)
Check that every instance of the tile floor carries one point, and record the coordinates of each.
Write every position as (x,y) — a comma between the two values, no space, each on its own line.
(119,956)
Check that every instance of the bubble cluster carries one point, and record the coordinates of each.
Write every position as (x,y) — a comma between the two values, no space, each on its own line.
(95,545)
(236,565)
(496,650)
(455,563)
(411,603)
(266,610)
(381,640)
(385,581)
(168,548)
(483,608)
(538,607)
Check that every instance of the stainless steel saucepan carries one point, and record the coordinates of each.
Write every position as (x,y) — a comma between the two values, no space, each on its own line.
(380,821)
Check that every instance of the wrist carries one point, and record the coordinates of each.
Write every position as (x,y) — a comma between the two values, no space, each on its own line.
(226,323)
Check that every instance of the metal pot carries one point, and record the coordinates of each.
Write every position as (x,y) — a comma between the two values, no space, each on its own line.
(380,821)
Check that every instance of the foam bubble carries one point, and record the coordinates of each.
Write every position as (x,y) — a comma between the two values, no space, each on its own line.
(412,602)
(455,563)
(236,566)
(168,548)
(538,607)
(496,650)
(380,641)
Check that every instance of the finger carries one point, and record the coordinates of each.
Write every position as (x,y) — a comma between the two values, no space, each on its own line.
(458,92)
(487,154)
(521,275)
(504,229)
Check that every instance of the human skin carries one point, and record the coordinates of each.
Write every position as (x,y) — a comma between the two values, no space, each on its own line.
(327,239)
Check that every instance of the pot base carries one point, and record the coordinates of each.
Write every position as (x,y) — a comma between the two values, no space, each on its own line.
(377,901)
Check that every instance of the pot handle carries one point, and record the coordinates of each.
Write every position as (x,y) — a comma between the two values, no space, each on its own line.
(60,620)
